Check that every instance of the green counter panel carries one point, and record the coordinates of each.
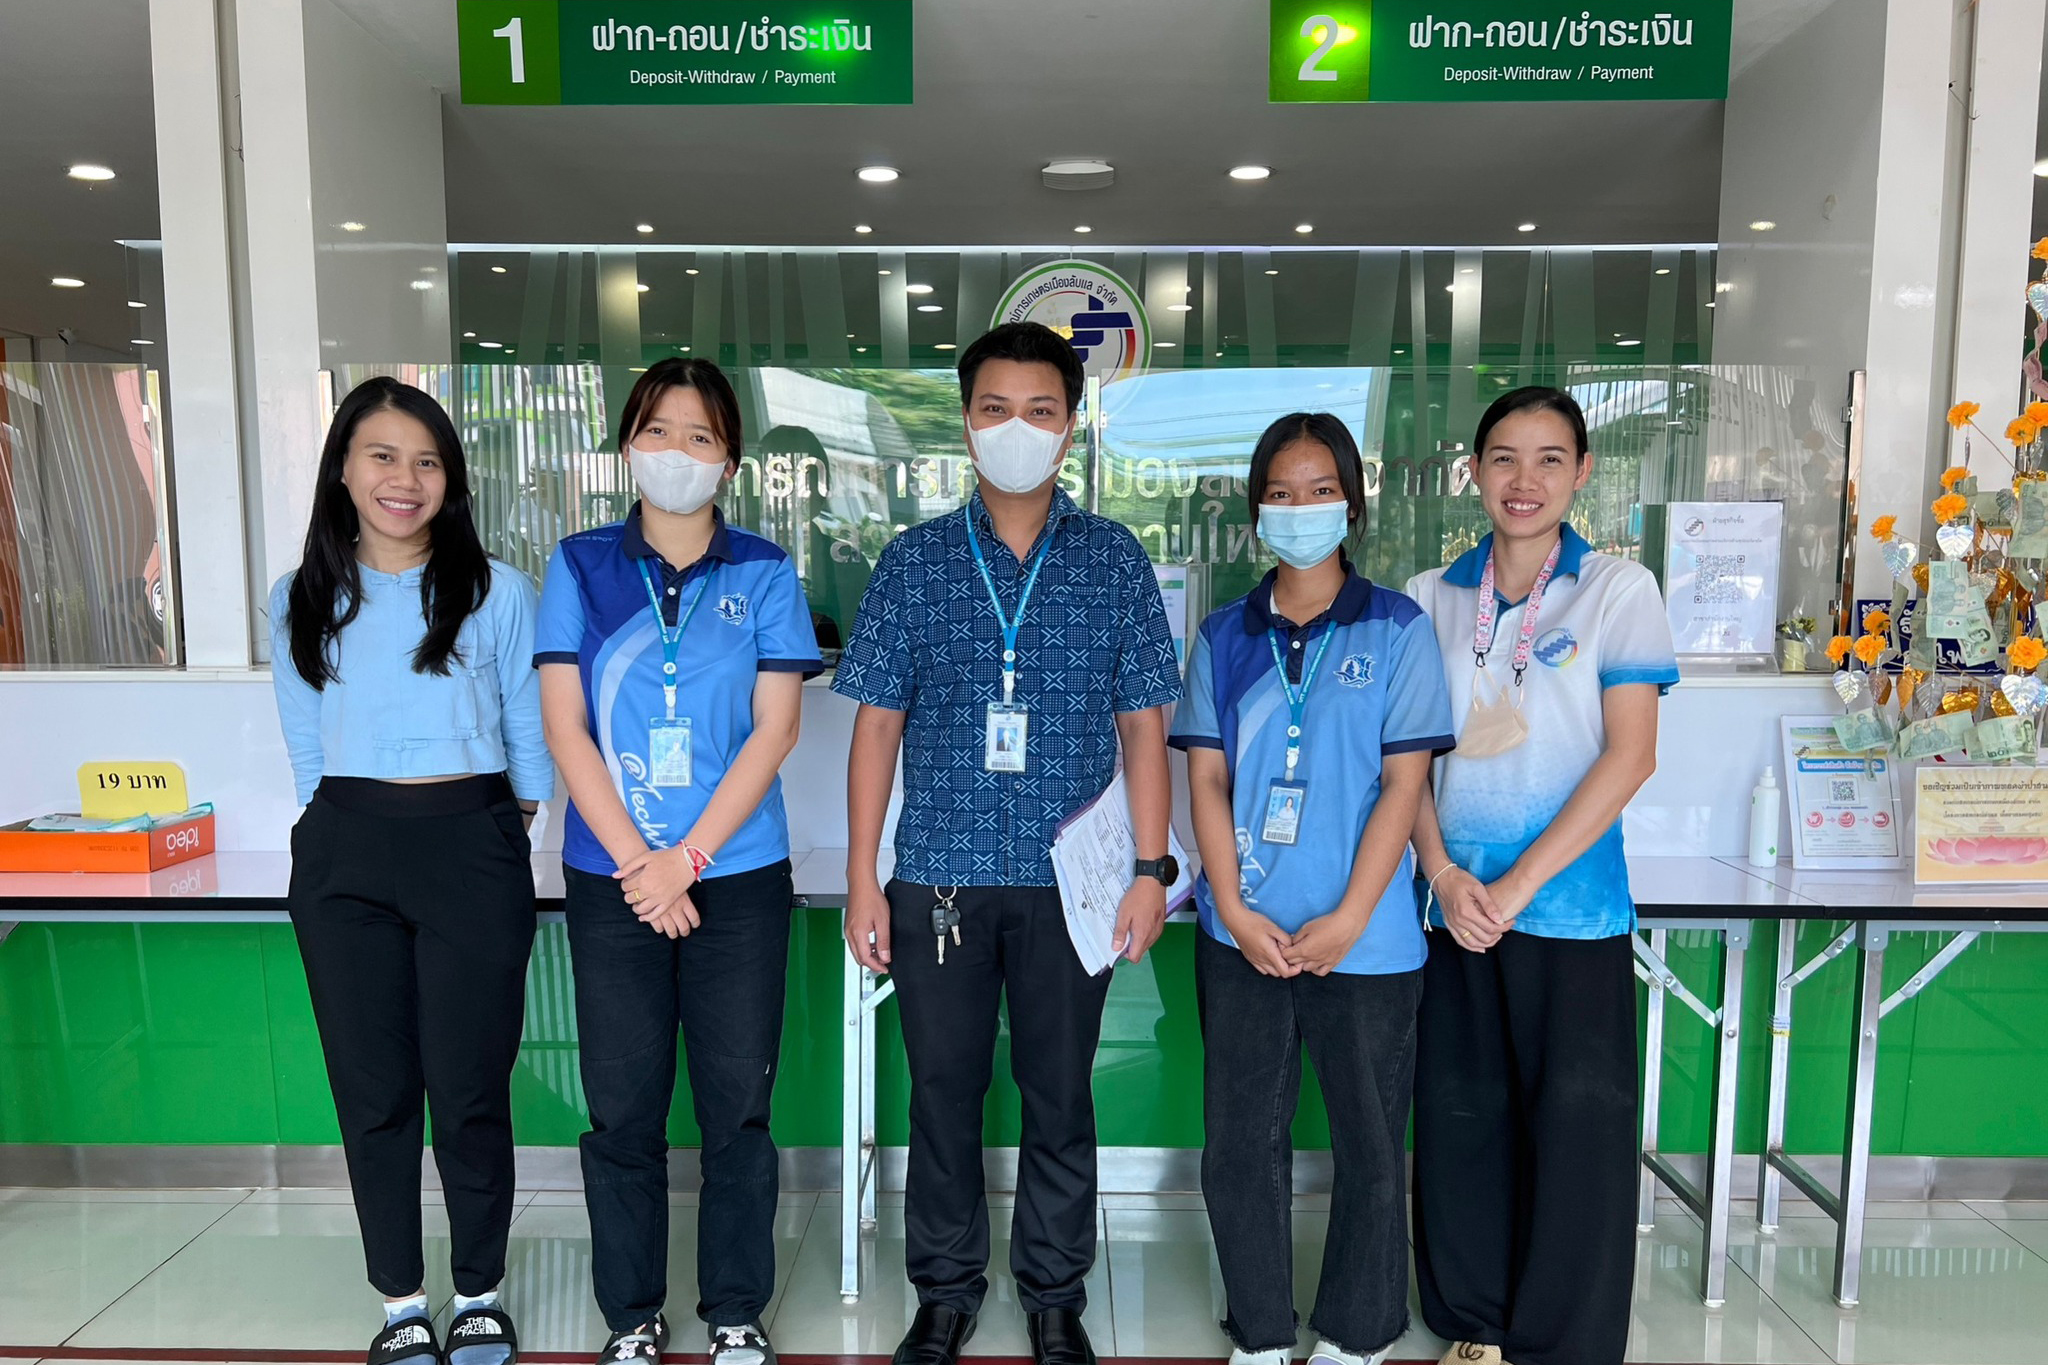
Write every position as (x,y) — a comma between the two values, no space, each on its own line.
(203,1034)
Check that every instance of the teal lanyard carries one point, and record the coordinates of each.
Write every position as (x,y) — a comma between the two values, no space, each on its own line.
(671,641)
(1008,623)
(1297,697)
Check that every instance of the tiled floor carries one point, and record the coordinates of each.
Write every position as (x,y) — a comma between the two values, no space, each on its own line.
(203,1273)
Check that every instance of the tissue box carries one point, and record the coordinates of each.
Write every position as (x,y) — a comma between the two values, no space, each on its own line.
(144,850)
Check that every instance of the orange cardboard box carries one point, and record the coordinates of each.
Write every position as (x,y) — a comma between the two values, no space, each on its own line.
(144,850)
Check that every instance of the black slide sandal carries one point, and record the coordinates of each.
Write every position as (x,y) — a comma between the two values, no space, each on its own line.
(410,1338)
(483,1327)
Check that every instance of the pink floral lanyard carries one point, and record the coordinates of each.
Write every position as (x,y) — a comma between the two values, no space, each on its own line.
(1489,610)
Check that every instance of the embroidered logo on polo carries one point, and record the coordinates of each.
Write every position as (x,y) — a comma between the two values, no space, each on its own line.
(1556,648)
(1355,671)
(732,608)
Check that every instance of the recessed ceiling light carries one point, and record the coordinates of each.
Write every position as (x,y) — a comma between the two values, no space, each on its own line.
(422,285)
(1663,270)
(644,227)
(469,336)
(1630,342)
(140,341)
(1710,303)
(1250,172)
(137,303)
(860,350)
(943,346)
(1272,272)
(877,175)
(1400,350)
(86,170)
(351,226)
(917,289)
(639,288)
(862,228)
(849,336)
(1083,227)
(1763,225)
(691,270)
(1180,308)
(67,282)
(1219,355)
(1163,345)
(492,345)
(511,350)
(1724,287)
(1525,227)
(1466,271)
(1450,289)
(497,270)
(2041,168)
(682,348)
(931,308)
(1304,228)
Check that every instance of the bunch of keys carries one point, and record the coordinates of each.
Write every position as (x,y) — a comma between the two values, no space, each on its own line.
(945,917)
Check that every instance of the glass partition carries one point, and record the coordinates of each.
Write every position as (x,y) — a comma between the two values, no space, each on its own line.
(838,460)
(83,524)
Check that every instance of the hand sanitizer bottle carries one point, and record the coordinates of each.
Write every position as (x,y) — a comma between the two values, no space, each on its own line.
(1764,800)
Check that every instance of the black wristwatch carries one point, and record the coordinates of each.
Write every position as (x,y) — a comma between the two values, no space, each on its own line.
(1165,871)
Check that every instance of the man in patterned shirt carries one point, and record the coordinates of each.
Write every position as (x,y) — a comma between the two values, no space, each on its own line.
(1007,648)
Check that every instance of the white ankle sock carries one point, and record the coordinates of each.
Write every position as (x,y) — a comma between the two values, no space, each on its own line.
(487,1299)
(405,1308)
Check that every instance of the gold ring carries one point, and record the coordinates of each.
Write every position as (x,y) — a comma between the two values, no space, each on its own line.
(634,897)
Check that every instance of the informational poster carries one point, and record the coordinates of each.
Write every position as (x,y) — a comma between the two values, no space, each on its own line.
(1844,806)
(1981,824)
(1721,576)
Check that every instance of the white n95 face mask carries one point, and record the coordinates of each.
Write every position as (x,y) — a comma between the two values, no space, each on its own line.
(1016,456)
(673,480)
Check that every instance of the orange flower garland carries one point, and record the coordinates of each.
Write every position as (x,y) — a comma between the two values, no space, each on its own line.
(1876,620)
(1954,475)
(1870,649)
(2026,653)
(1881,529)
(1838,649)
(1949,506)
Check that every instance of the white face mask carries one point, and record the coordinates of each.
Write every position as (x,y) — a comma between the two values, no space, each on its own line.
(1016,456)
(674,480)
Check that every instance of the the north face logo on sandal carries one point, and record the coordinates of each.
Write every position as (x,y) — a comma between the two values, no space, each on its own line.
(415,1335)
(476,1327)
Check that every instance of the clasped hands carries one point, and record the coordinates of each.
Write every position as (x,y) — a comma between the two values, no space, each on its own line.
(1479,914)
(1316,948)
(657,884)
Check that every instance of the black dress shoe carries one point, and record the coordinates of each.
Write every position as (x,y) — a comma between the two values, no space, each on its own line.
(1058,1338)
(937,1335)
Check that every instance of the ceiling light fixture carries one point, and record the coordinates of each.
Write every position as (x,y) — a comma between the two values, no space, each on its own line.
(1272,272)
(885,272)
(1083,227)
(1724,287)
(492,345)
(860,350)
(691,270)
(931,308)
(1710,304)
(422,285)
(67,282)
(137,303)
(1304,228)
(469,336)
(644,228)
(943,346)
(351,226)
(1525,227)
(140,341)
(1631,341)
(877,175)
(1164,345)
(862,228)
(1763,225)
(2041,168)
(639,288)
(86,170)
(497,270)
(1180,308)
(1250,172)
(1078,175)
(917,289)
(1663,270)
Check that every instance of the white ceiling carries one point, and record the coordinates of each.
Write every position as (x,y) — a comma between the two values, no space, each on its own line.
(1170,91)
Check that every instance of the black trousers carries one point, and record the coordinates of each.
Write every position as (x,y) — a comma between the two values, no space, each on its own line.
(1013,948)
(1360,1033)
(723,985)
(413,906)
(1526,1147)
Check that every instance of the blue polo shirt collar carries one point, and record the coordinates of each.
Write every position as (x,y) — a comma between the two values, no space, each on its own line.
(633,540)
(1349,605)
(1063,507)
(1466,569)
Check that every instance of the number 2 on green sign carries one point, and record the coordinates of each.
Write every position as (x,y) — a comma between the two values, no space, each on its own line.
(513,34)
(1309,70)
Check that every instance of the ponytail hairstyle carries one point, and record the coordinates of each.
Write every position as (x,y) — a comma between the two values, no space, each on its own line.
(327,591)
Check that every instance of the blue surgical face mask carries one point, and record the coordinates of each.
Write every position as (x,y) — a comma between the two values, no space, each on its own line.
(1305,536)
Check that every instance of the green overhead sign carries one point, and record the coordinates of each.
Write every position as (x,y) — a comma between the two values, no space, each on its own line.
(685,51)
(1384,51)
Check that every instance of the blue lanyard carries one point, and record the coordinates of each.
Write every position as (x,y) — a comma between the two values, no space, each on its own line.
(1297,697)
(671,642)
(1008,623)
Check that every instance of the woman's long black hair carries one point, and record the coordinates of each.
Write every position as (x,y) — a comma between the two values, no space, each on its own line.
(327,591)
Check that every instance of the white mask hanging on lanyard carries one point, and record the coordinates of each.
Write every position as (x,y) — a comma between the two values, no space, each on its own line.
(1494,722)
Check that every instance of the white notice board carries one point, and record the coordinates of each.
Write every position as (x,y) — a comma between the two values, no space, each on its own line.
(1721,576)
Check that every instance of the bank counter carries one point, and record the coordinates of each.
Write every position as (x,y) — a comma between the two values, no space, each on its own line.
(1719,899)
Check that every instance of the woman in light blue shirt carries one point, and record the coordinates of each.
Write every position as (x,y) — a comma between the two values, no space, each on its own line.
(402,659)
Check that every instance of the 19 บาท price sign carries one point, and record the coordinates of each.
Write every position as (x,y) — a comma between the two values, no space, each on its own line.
(685,51)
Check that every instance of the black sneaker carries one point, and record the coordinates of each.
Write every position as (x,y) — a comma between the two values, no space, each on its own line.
(747,1345)
(641,1344)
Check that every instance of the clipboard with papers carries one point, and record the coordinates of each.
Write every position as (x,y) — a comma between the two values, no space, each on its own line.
(1094,852)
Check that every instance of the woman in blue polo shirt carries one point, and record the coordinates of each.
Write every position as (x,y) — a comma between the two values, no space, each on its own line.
(672,651)
(1311,711)
(402,661)
(1525,1092)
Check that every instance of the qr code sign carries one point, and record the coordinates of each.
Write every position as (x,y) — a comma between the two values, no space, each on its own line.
(1718,580)
(1842,790)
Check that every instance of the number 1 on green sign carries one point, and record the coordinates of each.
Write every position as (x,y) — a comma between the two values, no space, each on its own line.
(515,35)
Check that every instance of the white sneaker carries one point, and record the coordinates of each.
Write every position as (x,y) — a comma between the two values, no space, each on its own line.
(1277,1356)
(1326,1354)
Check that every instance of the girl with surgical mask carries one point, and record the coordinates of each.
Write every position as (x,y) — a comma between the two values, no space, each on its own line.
(672,650)
(1311,711)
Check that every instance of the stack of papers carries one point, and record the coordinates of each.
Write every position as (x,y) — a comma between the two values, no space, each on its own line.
(1093,855)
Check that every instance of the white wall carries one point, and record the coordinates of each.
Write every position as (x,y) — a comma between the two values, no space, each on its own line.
(1714,739)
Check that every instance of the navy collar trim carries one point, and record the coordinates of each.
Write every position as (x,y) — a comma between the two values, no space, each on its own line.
(1352,600)
(1063,507)
(633,540)
(1466,569)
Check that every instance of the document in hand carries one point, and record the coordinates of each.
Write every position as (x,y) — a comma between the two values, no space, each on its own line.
(1093,855)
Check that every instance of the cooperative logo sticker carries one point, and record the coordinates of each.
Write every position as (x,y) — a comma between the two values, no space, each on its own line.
(1556,648)
(1093,308)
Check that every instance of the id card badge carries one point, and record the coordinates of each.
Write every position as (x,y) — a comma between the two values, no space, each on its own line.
(1284,801)
(1003,747)
(668,751)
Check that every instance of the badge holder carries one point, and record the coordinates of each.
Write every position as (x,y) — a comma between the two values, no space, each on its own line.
(1286,799)
(669,749)
(1008,727)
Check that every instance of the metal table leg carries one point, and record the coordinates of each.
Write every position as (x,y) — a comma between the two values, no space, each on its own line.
(1653,1082)
(852,1022)
(1871,943)
(1769,1184)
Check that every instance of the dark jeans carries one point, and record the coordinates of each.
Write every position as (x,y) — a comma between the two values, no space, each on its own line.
(1360,1033)
(723,984)
(413,906)
(1013,947)
(1526,1147)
